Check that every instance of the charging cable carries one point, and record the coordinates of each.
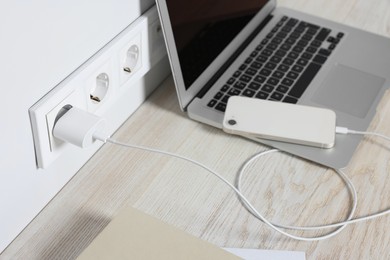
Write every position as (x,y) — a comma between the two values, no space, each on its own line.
(83,129)
(344,130)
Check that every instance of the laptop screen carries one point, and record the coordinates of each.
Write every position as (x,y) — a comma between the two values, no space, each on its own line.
(203,28)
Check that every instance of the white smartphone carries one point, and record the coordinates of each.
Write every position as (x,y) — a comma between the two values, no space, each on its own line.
(279,121)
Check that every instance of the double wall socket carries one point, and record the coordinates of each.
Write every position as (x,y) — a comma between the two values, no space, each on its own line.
(98,83)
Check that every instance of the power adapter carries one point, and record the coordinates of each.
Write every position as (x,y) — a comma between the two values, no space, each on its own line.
(79,127)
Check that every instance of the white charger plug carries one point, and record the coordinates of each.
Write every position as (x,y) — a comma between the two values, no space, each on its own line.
(79,127)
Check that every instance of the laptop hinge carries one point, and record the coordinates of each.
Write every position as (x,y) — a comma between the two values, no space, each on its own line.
(232,58)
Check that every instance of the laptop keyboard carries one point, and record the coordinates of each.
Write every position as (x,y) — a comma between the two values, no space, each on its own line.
(282,66)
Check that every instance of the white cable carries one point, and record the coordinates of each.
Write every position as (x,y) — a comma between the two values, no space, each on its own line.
(240,195)
(344,130)
(339,130)
(277,227)
(340,225)
(92,132)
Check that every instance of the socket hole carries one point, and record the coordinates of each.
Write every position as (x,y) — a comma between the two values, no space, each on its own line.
(101,88)
(62,112)
(132,55)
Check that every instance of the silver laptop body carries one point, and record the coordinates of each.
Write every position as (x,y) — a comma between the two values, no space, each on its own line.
(350,81)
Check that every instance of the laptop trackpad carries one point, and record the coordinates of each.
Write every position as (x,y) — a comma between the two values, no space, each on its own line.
(349,90)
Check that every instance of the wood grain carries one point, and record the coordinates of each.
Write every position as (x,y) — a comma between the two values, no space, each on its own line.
(286,189)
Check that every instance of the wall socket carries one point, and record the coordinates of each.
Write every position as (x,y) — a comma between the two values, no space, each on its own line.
(99,82)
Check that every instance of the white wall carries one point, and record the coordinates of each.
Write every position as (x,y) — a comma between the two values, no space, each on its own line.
(41,43)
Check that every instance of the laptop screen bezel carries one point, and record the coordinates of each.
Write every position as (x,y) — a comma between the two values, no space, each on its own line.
(186,95)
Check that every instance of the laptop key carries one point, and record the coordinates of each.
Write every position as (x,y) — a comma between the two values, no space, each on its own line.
(287,81)
(279,24)
(311,49)
(285,47)
(245,78)
(283,68)
(275,59)
(294,36)
(261,58)
(277,96)
(264,42)
(280,53)
(299,30)
(267,52)
(237,74)
(248,60)
(259,47)
(292,75)
(323,34)
(270,65)
(262,95)
(292,22)
(312,31)
(212,103)
(331,39)
(256,65)
(340,35)
(310,25)
(218,95)
(286,29)
(277,40)
(291,41)
(281,35)
(248,93)
(251,72)
(324,52)
(260,79)
(254,54)
(320,59)
(254,86)
(240,85)
(297,68)
(267,88)
(273,81)
(307,37)
(272,46)
(221,107)
(302,43)
(303,82)
(224,88)
(282,89)
(242,67)
(293,55)
(265,72)
(288,61)
(231,81)
(290,100)
(332,47)
(278,74)
(298,49)
(226,98)
(316,43)
(302,62)
(270,35)
(307,55)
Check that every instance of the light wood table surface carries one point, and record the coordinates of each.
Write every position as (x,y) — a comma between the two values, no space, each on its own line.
(284,188)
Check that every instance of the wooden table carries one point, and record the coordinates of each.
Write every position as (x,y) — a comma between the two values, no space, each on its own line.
(284,188)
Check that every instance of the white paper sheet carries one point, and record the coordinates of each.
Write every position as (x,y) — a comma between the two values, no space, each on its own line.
(256,254)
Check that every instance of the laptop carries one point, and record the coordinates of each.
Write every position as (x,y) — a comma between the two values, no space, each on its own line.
(221,48)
